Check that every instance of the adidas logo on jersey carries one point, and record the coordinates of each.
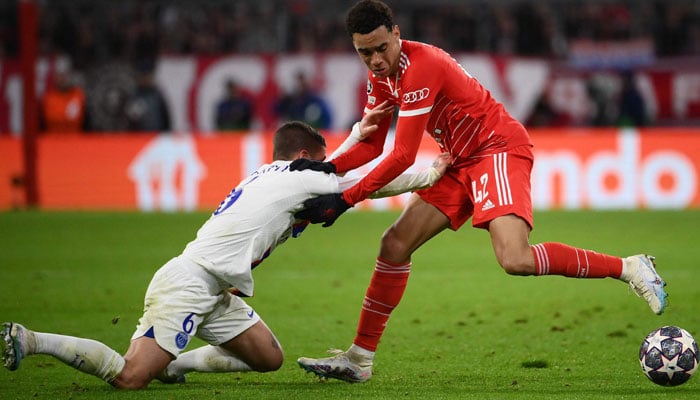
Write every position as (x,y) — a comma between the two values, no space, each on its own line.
(487,206)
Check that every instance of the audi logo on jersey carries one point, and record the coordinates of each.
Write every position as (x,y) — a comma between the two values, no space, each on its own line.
(417,95)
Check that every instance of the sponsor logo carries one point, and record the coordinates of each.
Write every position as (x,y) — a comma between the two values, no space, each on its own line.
(416,95)
(371,100)
(77,362)
(487,206)
(166,174)
(181,340)
(251,313)
(369,87)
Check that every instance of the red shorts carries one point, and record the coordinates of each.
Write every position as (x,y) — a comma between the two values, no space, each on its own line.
(490,187)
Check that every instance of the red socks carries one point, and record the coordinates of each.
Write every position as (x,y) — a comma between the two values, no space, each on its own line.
(560,259)
(383,295)
(389,282)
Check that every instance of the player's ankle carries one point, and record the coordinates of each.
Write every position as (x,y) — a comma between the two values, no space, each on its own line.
(360,356)
(627,270)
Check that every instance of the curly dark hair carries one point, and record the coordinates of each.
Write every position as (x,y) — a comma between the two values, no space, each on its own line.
(368,15)
(294,136)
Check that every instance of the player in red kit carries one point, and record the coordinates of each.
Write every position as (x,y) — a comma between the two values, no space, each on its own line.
(489,182)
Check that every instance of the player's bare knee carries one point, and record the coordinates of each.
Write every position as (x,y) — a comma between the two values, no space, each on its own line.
(392,247)
(515,265)
(269,363)
(129,380)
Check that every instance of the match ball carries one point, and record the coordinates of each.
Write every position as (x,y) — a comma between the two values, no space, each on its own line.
(669,356)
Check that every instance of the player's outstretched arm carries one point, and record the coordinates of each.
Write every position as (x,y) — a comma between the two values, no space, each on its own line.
(328,207)
(410,182)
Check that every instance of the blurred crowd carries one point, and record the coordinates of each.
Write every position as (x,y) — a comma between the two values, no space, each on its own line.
(134,33)
(94,31)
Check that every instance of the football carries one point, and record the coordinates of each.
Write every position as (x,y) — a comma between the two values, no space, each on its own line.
(669,356)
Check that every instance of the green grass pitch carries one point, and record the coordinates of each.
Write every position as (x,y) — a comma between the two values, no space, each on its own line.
(464,330)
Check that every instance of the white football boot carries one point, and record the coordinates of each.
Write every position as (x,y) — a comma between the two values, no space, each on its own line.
(16,338)
(345,366)
(645,282)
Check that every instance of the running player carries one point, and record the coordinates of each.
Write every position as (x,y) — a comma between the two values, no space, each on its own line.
(198,293)
(488,182)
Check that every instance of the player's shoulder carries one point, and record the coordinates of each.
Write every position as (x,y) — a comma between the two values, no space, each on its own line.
(423,55)
(274,166)
(420,49)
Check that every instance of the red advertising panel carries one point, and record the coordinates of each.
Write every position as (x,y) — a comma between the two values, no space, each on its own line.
(616,169)
(11,191)
(574,169)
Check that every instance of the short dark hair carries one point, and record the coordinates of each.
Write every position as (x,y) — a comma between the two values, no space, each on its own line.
(368,15)
(293,137)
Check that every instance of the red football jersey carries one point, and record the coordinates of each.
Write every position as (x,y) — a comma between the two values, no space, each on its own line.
(435,95)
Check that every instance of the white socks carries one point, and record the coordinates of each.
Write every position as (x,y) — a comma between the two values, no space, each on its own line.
(86,355)
(206,359)
(95,358)
(627,272)
(360,356)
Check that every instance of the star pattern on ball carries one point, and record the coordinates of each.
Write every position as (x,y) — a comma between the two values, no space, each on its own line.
(669,356)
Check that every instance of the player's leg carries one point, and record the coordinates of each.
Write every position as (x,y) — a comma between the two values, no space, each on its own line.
(509,237)
(509,219)
(239,341)
(418,223)
(85,355)
(257,347)
(518,257)
(145,359)
(179,301)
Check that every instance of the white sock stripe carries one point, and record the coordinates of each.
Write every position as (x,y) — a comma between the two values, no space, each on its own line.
(506,182)
(387,265)
(538,261)
(393,270)
(500,167)
(496,172)
(578,266)
(542,258)
(376,312)
(377,302)
(588,264)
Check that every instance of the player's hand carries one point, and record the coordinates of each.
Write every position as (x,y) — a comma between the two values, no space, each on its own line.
(325,208)
(441,163)
(370,121)
(301,164)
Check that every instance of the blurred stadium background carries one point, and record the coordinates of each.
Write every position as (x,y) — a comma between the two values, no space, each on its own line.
(610,90)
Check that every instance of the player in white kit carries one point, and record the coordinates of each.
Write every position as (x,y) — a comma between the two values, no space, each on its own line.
(198,293)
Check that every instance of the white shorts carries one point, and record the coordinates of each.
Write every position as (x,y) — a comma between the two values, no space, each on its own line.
(184,300)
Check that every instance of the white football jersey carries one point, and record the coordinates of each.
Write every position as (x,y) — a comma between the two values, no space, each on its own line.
(258,215)
(254,219)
